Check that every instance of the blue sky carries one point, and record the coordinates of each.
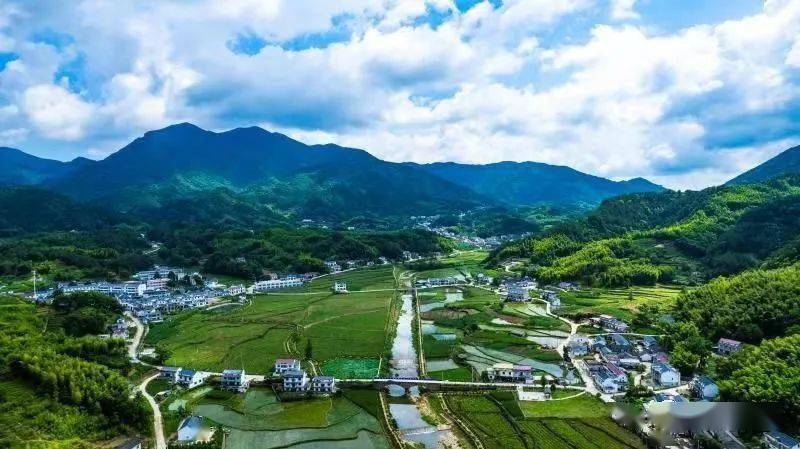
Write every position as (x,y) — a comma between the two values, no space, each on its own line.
(687,93)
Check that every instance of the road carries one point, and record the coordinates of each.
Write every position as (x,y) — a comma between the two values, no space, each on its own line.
(133,349)
(158,424)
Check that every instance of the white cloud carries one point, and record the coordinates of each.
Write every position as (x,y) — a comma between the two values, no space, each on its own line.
(56,112)
(488,84)
(623,10)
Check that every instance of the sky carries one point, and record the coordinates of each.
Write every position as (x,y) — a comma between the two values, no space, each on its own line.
(686,93)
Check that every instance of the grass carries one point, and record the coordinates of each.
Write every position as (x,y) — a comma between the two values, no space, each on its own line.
(380,277)
(583,406)
(279,325)
(156,386)
(621,302)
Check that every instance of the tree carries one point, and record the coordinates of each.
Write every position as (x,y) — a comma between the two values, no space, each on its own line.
(309,350)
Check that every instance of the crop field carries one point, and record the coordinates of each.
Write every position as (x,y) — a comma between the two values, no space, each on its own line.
(259,420)
(351,368)
(620,303)
(277,325)
(463,263)
(380,277)
(581,422)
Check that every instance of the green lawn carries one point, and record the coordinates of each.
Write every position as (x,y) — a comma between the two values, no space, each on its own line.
(459,374)
(583,406)
(373,278)
(252,336)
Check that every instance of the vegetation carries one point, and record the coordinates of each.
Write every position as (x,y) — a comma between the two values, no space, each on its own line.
(59,389)
(684,237)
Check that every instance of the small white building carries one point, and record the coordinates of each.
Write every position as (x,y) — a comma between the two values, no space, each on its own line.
(510,372)
(295,380)
(190,378)
(727,346)
(665,375)
(517,294)
(283,365)
(234,380)
(170,373)
(340,287)
(189,429)
(323,385)
(704,388)
(134,288)
(235,290)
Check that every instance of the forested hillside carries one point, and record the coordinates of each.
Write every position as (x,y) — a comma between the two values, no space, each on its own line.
(684,237)
(59,390)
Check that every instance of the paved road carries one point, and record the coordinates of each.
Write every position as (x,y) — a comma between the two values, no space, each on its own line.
(158,424)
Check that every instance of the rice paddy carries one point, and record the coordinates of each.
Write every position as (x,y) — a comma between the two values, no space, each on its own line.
(620,303)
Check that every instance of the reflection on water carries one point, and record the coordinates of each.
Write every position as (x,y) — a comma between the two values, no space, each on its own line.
(404,356)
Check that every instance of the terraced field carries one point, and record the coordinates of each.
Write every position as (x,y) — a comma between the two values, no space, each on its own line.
(620,303)
(579,423)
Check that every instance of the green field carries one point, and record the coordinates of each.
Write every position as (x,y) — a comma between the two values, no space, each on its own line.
(276,325)
(621,302)
(582,422)
(463,263)
(260,420)
(380,277)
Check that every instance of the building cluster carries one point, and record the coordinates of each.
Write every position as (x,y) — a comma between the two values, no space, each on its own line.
(617,354)
(296,380)
(517,290)
(609,323)
(439,282)
(184,377)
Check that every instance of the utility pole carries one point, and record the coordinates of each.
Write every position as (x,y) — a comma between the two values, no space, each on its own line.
(35,298)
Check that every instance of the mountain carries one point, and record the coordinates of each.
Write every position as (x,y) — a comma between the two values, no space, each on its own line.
(787,162)
(268,171)
(32,209)
(19,168)
(532,183)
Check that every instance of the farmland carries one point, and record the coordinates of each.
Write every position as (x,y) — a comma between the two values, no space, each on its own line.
(619,302)
(582,422)
(260,419)
(280,324)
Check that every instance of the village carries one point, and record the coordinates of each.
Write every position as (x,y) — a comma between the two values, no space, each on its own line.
(605,359)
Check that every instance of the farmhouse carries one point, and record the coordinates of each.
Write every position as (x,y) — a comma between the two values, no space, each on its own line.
(274,284)
(779,440)
(170,373)
(133,443)
(704,388)
(283,365)
(610,378)
(235,290)
(190,378)
(510,372)
(619,343)
(517,294)
(726,346)
(189,429)
(323,385)
(295,380)
(609,322)
(665,375)
(649,342)
(340,287)
(234,380)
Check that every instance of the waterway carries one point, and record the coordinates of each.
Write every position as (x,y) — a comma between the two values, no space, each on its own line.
(404,364)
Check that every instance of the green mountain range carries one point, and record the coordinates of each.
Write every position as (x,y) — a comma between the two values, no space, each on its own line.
(787,162)
(250,175)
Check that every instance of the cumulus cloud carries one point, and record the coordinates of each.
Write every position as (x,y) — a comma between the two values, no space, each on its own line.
(421,80)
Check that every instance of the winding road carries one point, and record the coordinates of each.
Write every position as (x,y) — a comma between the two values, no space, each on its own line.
(158,422)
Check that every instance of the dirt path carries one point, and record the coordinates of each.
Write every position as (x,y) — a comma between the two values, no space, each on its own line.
(133,348)
(158,424)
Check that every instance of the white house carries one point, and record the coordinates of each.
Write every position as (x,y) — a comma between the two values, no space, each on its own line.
(779,440)
(234,380)
(665,375)
(323,385)
(156,284)
(340,287)
(295,380)
(704,388)
(517,294)
(170,373)
(235,290)
(283,365)
(134,288)
(510,372)
(189,429)
(274,284)
(133,443)
(190,378)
